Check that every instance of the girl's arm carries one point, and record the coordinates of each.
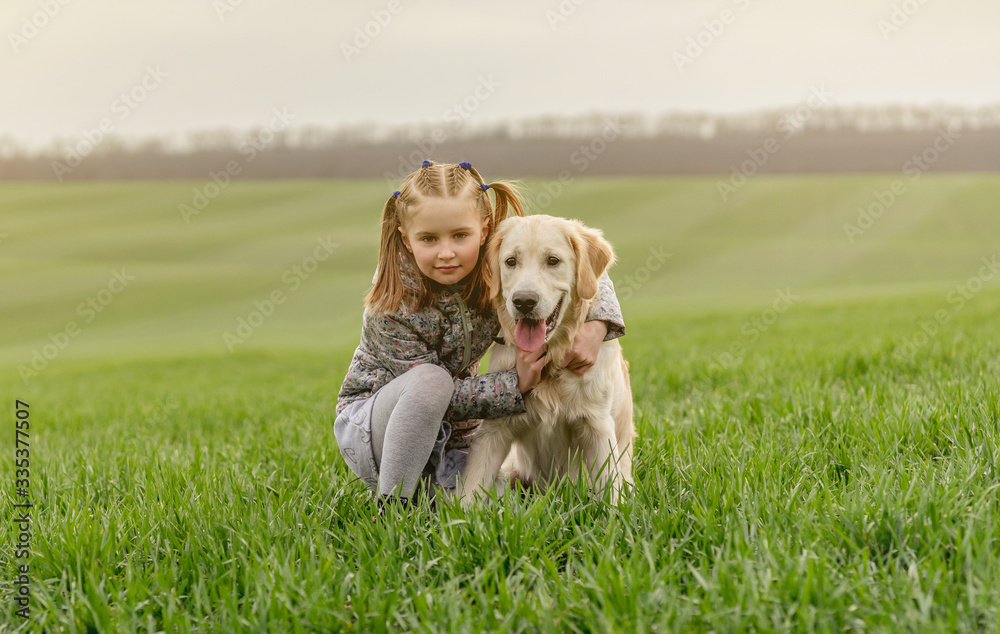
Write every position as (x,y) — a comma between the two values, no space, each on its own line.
(399,346)
(604,323)
(605,308)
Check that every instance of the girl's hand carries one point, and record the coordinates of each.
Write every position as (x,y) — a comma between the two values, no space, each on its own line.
(529,368)
(587,344)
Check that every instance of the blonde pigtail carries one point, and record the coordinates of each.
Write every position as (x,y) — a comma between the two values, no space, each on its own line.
(388,291)
(508,200)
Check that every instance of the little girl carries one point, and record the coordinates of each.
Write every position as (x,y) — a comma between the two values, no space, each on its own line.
(413,394)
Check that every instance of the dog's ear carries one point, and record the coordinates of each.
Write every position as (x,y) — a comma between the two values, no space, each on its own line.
(593,257)
(491,267)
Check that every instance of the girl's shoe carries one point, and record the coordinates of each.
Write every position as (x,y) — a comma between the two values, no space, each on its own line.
(384,502)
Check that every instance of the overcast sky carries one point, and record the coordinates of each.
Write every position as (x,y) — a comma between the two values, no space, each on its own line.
(208,63)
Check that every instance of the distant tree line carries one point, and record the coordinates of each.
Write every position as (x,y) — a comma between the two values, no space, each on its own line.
(811,137)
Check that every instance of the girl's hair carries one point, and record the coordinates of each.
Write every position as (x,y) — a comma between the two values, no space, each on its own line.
(436,180)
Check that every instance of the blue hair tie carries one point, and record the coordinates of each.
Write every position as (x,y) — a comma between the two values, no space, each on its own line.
(395,194)
(465,166)
(425,164)
(484,186)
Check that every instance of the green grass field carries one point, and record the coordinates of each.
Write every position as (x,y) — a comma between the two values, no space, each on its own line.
(819,419)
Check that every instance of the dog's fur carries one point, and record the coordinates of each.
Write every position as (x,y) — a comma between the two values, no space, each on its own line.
(572,421)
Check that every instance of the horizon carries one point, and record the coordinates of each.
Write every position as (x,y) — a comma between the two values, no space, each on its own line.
(665,124)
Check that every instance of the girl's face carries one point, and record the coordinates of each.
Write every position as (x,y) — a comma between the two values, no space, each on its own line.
(444,236)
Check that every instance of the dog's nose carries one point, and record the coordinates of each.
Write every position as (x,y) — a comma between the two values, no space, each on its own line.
(525,302)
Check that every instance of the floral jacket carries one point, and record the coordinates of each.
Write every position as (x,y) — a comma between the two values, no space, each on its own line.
(447,333)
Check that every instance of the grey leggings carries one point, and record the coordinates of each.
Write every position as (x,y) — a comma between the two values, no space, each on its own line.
(406,418)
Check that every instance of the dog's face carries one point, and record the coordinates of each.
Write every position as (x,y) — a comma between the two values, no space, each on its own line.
(539,266)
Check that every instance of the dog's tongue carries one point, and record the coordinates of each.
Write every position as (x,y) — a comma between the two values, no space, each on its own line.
(529,334)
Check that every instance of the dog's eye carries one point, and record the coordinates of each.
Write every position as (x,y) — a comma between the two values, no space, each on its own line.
(553,260)
(511,261)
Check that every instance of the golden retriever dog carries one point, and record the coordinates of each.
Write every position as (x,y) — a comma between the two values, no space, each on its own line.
(544,274)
